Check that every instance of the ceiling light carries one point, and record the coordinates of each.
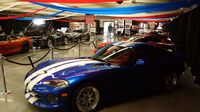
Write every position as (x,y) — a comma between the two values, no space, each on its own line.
(38,21)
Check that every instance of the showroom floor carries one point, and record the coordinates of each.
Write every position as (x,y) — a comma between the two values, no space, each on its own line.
(185,99)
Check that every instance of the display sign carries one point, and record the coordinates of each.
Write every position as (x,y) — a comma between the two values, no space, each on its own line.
(93,30)
(89,19)
(93,27)
(128,24)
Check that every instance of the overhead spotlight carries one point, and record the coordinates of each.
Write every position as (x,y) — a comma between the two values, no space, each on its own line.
(119,1)
(38,21)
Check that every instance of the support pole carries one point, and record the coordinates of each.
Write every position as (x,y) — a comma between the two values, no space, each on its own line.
(52,53)
(96,39)
(79,48)
(6,92)
(29,57)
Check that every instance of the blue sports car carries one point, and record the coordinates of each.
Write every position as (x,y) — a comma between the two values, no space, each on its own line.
(82,84)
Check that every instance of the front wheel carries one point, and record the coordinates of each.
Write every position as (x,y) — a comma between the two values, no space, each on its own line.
(171,81)
(86,98)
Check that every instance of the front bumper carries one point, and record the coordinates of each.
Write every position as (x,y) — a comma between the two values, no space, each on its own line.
(42,100)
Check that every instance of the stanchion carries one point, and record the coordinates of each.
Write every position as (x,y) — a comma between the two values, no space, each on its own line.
(5,92)
(96,40)
(29,57)
(52,53)
(79,48)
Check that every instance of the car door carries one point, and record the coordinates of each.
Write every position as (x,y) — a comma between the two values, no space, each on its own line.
(13,42)
(119,77)
(151,69)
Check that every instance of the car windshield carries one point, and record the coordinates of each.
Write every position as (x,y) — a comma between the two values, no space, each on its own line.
(118,55)
(132,39)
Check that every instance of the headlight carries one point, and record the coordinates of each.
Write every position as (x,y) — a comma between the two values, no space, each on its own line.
(56,83)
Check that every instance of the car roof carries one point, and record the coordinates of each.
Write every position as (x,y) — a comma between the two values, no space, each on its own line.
(137,45)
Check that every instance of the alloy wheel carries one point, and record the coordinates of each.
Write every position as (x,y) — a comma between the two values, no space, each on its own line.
(87,99)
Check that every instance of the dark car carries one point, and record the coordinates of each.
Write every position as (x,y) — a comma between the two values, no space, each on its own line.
(153,38)
(82,84)
(76,35)
(44,37)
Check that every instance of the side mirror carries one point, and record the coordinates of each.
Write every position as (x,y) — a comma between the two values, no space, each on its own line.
(139,62)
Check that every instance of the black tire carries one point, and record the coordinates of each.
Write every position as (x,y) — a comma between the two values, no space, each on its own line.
(42,44)
(171,81)
(66,41)
(49,43)
(88,37)
(86,98)
(25,47)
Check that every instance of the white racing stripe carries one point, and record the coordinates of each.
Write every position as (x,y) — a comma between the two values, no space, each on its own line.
(27,95)
(32,100)
(53,70)
(49,67)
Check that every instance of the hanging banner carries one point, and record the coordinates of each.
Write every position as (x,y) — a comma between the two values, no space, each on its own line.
(123,10)
(6,8)
(153,16)
(41,17)
(73,1)
(21,15)
(89,19)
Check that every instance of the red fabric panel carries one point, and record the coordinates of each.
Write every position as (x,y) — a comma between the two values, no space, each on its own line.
(89,19)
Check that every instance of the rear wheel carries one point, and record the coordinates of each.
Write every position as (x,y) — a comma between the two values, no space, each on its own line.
(65,40)
(86,98)
(171,81)
(25,47)
(49,43)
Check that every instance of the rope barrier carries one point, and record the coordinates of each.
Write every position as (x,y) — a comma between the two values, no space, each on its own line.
(28,63)
(32,63)
(66,48)
(92,42)
(87,43)
(107,38)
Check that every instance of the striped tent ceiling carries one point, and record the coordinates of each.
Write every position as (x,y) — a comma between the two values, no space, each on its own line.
(13,7)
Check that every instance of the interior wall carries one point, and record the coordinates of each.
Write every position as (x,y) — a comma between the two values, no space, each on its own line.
(20,25)
(58,25)
(15,25)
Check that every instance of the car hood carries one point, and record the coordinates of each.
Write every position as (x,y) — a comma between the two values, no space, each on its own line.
(57,69)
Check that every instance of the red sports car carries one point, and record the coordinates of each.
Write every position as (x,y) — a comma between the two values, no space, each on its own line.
(14,44)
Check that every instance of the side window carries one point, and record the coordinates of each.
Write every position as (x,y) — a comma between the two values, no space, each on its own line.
(153,39)
(150,53)
(124,58)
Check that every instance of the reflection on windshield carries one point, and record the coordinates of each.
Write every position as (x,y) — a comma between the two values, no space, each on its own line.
(115,54)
